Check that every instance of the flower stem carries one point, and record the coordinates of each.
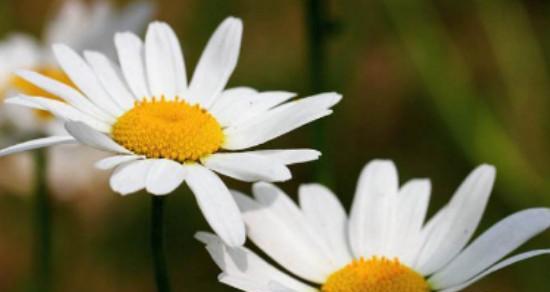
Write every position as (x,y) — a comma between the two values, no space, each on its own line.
(42,227)
(157,244)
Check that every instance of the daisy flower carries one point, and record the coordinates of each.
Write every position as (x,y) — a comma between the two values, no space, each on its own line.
(22,51)
(382,246)
(163,131)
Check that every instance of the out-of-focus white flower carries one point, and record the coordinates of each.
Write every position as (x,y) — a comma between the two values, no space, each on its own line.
(382,246)
(82,26)
(163,131)
(77,24)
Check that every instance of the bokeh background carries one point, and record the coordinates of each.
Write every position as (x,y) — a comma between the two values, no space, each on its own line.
(437,86)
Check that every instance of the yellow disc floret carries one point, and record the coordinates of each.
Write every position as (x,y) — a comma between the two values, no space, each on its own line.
(25,87)
(170,129)
(375,275)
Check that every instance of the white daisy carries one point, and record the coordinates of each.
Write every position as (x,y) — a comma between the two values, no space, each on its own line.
(22,51)
(383,246)
(164,131)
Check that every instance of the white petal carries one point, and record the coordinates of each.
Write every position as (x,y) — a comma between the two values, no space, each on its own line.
(243,269)
(109,76)
(279,121)
(237,105)
(164,61)
(158,63)
(491,246)
(67,93)
(263,102)
(229,97)
(369,215)
(231,111)
(290,156)
(277,226)
(410,208)
(37,143)
(88,136)
(130,177)
(24,101)
(217,62)
(113,161)
(248,167)
(326,213)
(130,55)
(165,176)
(500,265)
(66,112)
(217,205)
(461,217)
(84,78)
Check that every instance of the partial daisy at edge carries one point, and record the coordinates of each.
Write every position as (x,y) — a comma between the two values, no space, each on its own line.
(163,130)
(385,244)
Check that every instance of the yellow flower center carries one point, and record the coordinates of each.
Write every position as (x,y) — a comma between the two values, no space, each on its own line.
(375,275)
(27,88)
(170,129)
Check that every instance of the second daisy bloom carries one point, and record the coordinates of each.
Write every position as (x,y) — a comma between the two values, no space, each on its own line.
(164,130)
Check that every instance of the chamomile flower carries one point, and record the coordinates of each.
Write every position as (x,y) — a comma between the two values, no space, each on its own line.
(163,131)
(382,246)
(21,51)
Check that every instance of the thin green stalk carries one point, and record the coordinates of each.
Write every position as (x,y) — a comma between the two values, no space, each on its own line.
(42,228)
(317,36)
(157,244)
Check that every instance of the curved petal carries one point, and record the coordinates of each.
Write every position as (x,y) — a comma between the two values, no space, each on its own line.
(247,166)
(500,265)
(491,246)
(461,217)
(113,161)
(23,100)
(243,269)
(130,55)
(227,99)
(280,229)
(84,78)
(130,177)
(163,57)
(217,62)
(37,143)
(290,156)
(279,121)
(67,93)
(261,103)
(88,136)
(110,78)
(324,211)
(377,184)
(66,112)
(164,176)
(217,205)
(410,208)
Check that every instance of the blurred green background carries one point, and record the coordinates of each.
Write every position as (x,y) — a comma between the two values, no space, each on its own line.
(437,86)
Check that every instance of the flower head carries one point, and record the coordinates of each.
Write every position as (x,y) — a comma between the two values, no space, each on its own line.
(384,245)
(20,51)
(164,130)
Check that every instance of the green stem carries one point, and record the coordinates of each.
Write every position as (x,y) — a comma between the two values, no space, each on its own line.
(42,227)
(157,244)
